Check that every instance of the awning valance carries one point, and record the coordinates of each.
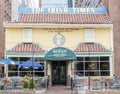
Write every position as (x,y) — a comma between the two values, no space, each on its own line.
(60,53)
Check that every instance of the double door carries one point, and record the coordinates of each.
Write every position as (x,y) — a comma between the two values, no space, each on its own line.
(59,73)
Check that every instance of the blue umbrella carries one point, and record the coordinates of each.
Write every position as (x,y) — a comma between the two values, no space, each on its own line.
(8,61)
(31,64)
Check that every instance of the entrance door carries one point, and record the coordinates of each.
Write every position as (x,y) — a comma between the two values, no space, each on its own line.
(58,72)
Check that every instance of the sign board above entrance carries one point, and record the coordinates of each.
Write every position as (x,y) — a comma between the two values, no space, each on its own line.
(60,53)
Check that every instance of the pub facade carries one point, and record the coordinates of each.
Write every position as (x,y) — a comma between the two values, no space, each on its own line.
(65,44)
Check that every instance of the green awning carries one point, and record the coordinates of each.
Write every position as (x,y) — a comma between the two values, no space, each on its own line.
(60,53)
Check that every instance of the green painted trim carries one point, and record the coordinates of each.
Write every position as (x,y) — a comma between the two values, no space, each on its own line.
(81,54)
(11,54)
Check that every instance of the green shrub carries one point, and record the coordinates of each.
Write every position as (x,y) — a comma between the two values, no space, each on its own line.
(25,82)
(31,84)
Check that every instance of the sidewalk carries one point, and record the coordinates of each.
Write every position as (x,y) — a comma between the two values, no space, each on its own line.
(60,89)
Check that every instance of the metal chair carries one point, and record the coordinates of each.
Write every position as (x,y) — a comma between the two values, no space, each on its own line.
(16,83)
(38,83)
(77,84)
(116,83)
(8,86)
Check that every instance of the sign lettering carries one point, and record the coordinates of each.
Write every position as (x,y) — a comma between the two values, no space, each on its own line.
(63,10)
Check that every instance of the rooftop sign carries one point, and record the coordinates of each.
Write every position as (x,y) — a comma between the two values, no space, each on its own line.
(63,10)
(24,9)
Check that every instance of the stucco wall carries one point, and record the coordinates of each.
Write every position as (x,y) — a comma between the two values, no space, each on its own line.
(45,37)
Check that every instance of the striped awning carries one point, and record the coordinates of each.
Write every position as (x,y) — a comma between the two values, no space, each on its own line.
(91,47)
(27,48)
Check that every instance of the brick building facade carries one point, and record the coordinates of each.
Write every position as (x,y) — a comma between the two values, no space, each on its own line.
(114,13)
(5,15)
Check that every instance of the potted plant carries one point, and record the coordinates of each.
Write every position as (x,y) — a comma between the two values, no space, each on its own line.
(96,78)
(108,78)
(6,80)
(25,82)
(96,84)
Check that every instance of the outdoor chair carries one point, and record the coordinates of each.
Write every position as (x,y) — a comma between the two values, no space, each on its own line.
(16,83)
(116,83)
(8,86)
(77,84)
(103,84)
(39,83)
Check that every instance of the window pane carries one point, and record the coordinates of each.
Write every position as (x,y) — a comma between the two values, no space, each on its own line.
(87,58)
(104,58)
(104,65)
(79,65)
(80,59)
(105,73)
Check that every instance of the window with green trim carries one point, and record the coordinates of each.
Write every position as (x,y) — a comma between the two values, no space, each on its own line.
(92,66)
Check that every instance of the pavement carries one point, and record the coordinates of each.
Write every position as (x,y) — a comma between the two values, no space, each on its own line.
(60,89)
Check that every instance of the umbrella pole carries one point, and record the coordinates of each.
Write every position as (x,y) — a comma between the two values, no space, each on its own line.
(18,72)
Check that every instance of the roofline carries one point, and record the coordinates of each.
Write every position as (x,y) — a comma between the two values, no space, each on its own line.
(49,25)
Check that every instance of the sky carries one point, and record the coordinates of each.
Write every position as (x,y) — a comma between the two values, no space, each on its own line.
(49,3)
(35,3)
(54,3)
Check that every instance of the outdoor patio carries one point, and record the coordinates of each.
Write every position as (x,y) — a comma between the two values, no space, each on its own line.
(98,85)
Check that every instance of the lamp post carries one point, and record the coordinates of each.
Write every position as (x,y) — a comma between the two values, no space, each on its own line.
(89,79)
(32,65)
(88,67)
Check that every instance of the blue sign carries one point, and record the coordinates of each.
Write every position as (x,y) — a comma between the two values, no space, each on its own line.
(70,3)
(96,10)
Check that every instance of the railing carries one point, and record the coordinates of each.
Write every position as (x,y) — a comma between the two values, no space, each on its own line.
(101,84)
(41,84)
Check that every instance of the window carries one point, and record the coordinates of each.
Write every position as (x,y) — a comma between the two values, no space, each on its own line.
(93,66)
(89,35)
(27,35)
(13,70)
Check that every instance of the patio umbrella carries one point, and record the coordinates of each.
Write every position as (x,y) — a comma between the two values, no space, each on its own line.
(31,64)
(8,61)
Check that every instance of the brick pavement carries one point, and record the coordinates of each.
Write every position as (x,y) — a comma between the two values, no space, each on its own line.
(59,90)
